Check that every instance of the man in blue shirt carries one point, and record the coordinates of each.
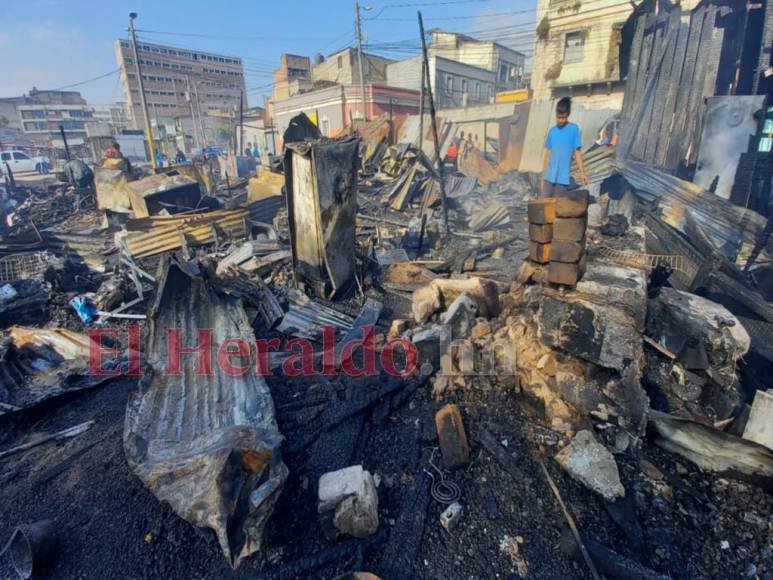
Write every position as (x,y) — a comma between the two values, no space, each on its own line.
(562,144)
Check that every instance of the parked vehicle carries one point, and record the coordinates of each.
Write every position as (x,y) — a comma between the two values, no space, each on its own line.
(20,162)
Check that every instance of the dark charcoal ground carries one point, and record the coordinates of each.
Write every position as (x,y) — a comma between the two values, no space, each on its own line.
(112,527)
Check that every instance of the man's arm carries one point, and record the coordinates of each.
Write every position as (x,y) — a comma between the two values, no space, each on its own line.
(545,161)
(580,166)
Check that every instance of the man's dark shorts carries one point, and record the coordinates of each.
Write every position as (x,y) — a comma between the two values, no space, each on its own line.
(553,189)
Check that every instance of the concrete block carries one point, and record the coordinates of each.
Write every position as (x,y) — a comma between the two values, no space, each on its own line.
(542,211)
(572,204)
(452,437)
(542,233)
(569,229)
(569,252)
(565,273)
(539,253)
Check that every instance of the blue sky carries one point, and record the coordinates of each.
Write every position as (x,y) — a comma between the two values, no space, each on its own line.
(51,44)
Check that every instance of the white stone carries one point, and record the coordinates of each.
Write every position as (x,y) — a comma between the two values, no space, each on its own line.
(451,516)
(351,492)
(590,463)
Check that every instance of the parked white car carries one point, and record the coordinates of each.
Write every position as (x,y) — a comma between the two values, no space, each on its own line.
(20,162)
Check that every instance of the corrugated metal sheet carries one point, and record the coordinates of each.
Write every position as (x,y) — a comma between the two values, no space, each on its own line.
(206,443)
(683,204)
(157,234)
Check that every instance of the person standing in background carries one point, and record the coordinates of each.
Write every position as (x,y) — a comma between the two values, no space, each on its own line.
(562,144)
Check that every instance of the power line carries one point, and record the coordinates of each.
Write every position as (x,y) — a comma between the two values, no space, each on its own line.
(86,81)
(440,3)
(466,17)
(223,36)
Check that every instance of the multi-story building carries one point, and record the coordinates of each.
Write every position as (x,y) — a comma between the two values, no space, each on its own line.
(292,77)
(342,68)
(454,83)
(113,114)
(180,84)
(506,64)
(40,114)
(577,48)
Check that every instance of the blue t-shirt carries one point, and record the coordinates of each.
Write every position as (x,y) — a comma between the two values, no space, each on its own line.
(562,143)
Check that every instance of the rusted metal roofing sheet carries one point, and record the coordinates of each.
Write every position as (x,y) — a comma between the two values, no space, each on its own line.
(157,234)
(207,443)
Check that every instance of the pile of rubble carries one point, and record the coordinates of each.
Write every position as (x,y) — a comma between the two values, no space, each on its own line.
(330,376)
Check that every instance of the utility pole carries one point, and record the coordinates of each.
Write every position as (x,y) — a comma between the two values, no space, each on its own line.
(358,31)
(241,125)
(193,115)
(148,128)
(198,109)
(438,162)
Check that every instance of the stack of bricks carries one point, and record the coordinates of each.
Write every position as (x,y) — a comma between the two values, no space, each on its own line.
(542,214)
(567,251)
(557,233)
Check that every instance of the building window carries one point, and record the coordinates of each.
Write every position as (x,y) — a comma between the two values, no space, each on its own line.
(573,47)
(464,86)
(477,91)
(503,68)
(490,93)
(449,85)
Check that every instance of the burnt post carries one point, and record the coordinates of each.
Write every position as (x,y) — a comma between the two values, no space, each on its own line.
(438,161)
(64,140)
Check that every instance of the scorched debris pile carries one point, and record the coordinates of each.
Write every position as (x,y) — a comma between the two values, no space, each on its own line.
(315,372)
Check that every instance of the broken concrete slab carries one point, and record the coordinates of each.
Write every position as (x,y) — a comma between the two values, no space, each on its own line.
(590,463)
(599,334)
(622,286)
(350,498)
(452,437)
(675,317)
